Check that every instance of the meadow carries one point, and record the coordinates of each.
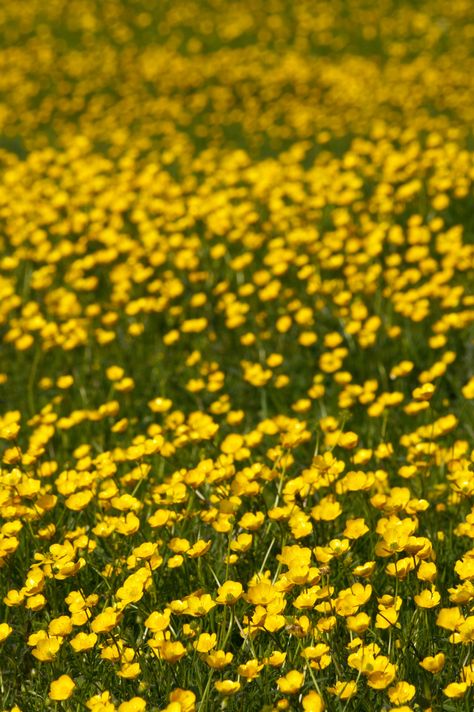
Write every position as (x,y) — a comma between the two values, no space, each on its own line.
(236,356)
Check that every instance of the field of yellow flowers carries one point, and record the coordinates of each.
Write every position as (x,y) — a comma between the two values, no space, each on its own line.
(236,367)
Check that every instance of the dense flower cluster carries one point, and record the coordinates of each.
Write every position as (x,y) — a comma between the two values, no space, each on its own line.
(236,382)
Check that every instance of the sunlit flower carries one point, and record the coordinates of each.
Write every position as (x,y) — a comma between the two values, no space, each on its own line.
(227,687)
(62,688)
(344,689)
(291,683)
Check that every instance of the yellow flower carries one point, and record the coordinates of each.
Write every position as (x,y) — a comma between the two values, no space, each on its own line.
(427,571)
(34,581)
(424,392)
(61,626)
(365,570)
(348,440)
(395,536)
(358,623)
(449,618)
(218,659)
(466,630)
(131,592)
(200,548)
(468,389)
(158,621)
(171,651)
(101,703)
(114,373)
(242,543)
(47,649)
(105,621)
(5,631)
(355,528)
(79,501)
(205,642)
(174,562)
(229,593)
(145,551)
(252,521)
(10,432)
(465,568)
(250,670)
(62,688)
(227,687)
(401,692)
(327,510)
(64,382)
(129,670)
(232,443)
(468,674)
(434,663)
(456,690)
(274,622)
(313,702)
(160,405)
(199,605)
(83,641)
(344,689)
(14,598)
(428,598)
(291,683)
(386,618)
(276,659)
(185,698)
(262,593)
(382,673)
